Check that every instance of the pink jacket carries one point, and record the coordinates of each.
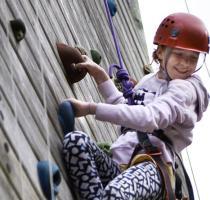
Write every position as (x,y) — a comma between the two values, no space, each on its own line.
(172,106)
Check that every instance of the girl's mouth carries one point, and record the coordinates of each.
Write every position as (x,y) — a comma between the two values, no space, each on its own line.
(181,70)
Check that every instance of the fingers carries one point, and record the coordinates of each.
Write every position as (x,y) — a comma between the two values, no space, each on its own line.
(86,65)
(71,100)
(81,108)
(84,57)
(82,64)
(75,105)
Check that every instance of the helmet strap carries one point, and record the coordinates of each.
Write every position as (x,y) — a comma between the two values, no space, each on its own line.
(163,68)
(204,59)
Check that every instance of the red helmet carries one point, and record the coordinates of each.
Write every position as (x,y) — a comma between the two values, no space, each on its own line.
(184,31)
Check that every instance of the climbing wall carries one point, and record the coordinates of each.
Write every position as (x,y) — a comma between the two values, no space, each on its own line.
(33,82)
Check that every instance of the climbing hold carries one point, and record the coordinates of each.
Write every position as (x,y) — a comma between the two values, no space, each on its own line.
(118,84)
(18,28)
(8,167)
(112,7)
(44,168)
(147,69)
(69,57)
(105,147)
(66,117)
(81,50)
(135,13)
(96,57)
(1,117)
(6,147)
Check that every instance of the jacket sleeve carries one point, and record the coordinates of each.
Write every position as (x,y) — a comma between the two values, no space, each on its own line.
(176,105)
(110,93)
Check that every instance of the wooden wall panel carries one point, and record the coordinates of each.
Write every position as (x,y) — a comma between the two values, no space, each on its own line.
(33,83)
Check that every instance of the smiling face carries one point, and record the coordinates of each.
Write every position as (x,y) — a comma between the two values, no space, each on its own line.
(180,64)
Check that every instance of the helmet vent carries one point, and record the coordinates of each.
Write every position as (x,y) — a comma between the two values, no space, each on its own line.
(168,22)
(160,38)
(174,32)
(164,25)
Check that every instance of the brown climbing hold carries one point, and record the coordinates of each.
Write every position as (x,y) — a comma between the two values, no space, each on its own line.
(69,57)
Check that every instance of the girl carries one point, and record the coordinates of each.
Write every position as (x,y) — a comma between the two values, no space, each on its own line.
(168,102)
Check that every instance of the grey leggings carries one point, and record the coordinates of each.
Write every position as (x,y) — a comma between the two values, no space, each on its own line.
(95,176)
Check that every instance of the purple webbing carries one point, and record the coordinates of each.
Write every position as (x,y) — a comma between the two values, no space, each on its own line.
(113,34)
(122,73)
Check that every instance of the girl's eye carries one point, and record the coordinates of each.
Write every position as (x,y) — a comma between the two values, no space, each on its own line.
(194,58)
(178,54)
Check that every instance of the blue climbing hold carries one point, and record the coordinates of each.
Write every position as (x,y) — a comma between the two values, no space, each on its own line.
(112,7)
(66,117)
(44,168)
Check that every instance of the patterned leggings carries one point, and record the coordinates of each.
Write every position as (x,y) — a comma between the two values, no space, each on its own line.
(95,176)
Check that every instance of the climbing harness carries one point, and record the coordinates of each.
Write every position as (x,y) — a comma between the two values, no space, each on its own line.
(166,170)
(146,151)
(187,179)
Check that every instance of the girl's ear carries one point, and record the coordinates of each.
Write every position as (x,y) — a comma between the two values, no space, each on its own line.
(160,53)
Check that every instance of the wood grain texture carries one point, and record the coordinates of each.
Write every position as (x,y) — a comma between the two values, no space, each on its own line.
(33,83)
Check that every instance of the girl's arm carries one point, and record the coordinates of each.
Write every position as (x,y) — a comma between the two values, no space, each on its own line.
(97,72)
(106,87)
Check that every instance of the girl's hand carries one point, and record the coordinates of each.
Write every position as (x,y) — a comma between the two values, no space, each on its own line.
(82,108)
(97,72)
